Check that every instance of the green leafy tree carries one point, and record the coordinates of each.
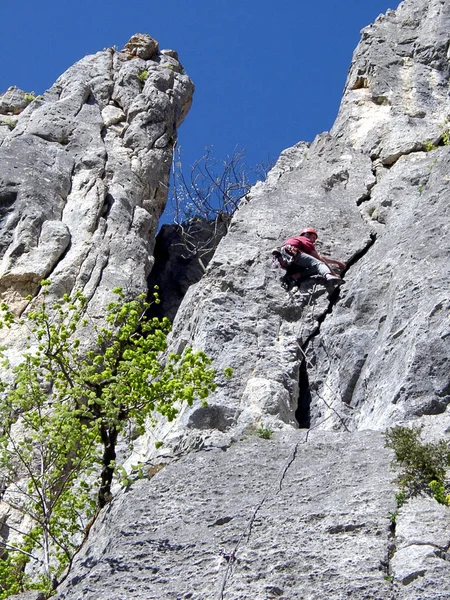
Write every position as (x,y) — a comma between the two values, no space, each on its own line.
(76,390)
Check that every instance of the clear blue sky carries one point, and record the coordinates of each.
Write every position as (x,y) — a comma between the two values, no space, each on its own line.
(267,73)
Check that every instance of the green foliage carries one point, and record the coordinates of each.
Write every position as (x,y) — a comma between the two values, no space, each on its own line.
(401,498)
(264,432)
(228,372)
(143,76)
(64,409)
(429,146)
(445,137)
(12,574)
(423,464)
(12,567)
(438,490)
(29,96)
(446,132)
(9,122)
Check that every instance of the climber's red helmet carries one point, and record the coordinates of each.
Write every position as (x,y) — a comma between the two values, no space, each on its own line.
(310,230)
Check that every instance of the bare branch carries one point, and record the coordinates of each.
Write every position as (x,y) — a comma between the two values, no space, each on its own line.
(204,205)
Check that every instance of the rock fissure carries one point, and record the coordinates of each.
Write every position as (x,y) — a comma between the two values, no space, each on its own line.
(231,557)
(305,396)
(389,161)
(357,256)
(364,198)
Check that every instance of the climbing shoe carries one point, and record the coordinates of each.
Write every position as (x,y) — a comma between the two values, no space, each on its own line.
(334,280)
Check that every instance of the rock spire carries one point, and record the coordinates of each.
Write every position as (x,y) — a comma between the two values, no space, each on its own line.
(85,171)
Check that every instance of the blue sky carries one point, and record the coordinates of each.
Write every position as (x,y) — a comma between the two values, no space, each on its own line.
(267,73)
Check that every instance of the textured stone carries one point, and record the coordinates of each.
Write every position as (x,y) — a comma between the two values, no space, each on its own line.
(13,101)
(396,90)
(302,515)
(305,517)
(377,351)
(422,537)
(83,181)
(31,595)
(142,45)
(84,176)
(239,313)
(371,355)
(385,352)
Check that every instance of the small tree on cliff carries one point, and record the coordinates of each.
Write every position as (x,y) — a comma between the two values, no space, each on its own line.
(63,410)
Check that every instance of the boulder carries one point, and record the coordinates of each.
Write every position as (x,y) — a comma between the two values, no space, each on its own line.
(142,46)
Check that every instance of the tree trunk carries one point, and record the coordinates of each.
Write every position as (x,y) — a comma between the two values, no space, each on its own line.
(109,439)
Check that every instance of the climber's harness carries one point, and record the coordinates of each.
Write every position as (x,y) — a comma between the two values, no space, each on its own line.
(284,256)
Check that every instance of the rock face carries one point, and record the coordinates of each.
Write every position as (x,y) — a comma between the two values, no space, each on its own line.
(306,515)
(84,173)
(193,535)
(378,200)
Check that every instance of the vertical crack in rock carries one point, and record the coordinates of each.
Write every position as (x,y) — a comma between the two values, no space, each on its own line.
(302,413)
(246,533)
(361,253)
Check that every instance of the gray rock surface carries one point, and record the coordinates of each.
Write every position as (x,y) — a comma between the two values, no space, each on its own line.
(83,181)
(299,515)
(370,356)
(376,352)
(12,102)
(422,536)
(84,174)
(305,517)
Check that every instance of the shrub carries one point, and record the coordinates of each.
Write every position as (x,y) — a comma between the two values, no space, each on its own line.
(446,133)
(422,464)
(9,122)
(29,96)
(264,432)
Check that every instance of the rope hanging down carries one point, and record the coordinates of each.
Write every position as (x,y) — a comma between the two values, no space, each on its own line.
(231,556)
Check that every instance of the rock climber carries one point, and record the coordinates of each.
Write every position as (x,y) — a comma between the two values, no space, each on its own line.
(305,256)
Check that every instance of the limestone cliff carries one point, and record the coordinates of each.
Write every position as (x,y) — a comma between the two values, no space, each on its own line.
(84,173)
(306,514)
